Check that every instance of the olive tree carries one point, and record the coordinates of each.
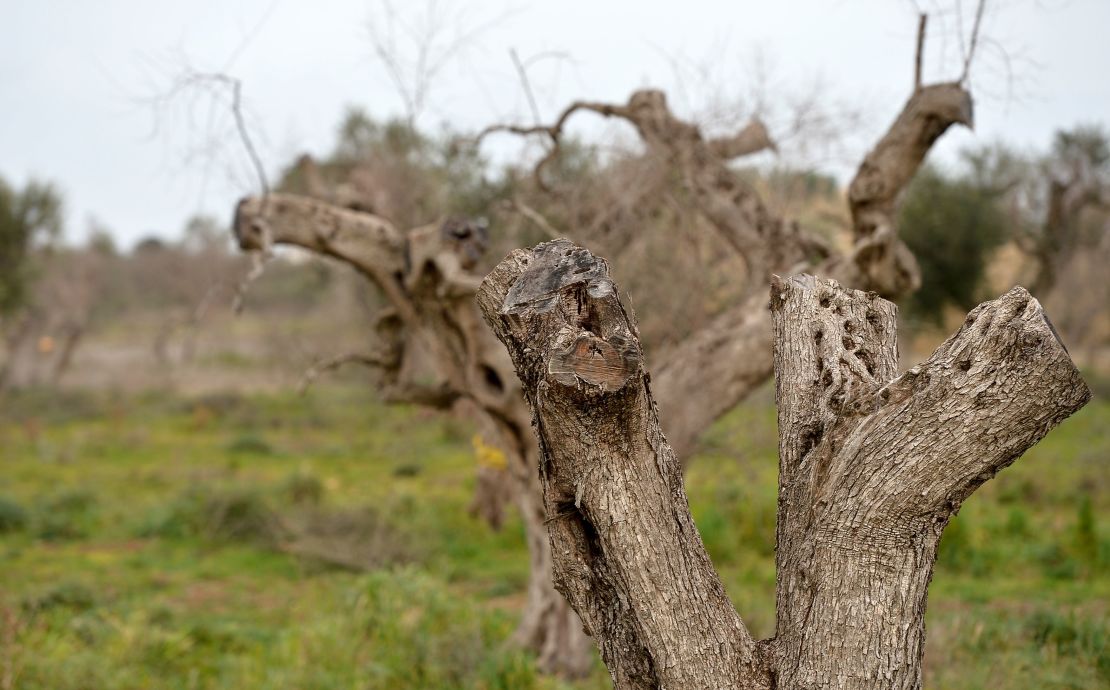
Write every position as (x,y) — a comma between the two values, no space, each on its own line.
(872,466)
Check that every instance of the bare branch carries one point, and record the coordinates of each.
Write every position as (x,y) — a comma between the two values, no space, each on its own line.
(332,363)
(753,138)
(537,218)
(919,53)
(973,40)
(524,83)
(553,132)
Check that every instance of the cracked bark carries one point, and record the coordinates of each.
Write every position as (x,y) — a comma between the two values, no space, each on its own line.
(433,350)
(872,467)
(626,552)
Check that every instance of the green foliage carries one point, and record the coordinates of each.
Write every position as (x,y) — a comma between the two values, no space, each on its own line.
(952,226)
(182,581)
(1086,531)
(303,488)
(1089,143)
(250,444)
(27,217)
(68,514)
(228,515)
(67,594)
(419,176)
(13,516)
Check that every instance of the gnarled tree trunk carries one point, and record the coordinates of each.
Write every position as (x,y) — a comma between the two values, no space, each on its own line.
(433,350)
(872,467)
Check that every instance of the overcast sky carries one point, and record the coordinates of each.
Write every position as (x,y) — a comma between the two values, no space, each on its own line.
(77,79)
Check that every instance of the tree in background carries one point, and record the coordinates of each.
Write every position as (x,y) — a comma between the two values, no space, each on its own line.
(395,171)
(952,225)
(30,219)
(1077,176)
(1056,207)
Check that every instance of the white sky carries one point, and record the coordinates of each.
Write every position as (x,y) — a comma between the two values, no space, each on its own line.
(75,76)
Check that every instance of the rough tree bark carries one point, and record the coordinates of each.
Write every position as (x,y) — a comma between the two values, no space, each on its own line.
(433,350)
(872,467)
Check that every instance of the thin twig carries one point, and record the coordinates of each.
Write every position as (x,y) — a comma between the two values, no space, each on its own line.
(921,21)
(326,365)
(554,132)
(234,86)
(974,39)
(523,74)
(536,218)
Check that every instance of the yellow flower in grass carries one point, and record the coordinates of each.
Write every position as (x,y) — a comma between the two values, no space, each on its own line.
(487,455)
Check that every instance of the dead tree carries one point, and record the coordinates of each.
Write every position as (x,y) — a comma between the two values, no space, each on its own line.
(707,374)
(433,350)
(872,467)
(1077,181)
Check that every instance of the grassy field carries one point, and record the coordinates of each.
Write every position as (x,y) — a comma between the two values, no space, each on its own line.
(151,542)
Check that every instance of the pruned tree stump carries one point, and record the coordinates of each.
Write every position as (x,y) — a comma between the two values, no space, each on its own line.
(872,467)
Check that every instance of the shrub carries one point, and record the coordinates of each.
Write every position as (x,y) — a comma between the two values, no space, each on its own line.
(250,444)
(349,539)
(303,488)
(238,515)
(13,516)
(70,514)
(952,225)
(71,595)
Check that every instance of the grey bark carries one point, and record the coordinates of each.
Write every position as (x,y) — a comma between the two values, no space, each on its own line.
(626,552)
(706,375)
(872,467)
(433,350)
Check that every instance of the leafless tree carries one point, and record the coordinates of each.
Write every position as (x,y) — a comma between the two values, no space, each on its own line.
(1077,178)
(433,350)
(715,367)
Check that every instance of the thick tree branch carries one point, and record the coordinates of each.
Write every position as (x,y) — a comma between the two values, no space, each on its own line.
(370,244)
(879,262)
(626,552)
(752,139)
(703,376)
(871,472)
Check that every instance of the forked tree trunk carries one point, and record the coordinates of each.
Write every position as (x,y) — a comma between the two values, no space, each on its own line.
(872,467)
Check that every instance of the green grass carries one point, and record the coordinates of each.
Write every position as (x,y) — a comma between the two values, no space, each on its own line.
(142,543)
